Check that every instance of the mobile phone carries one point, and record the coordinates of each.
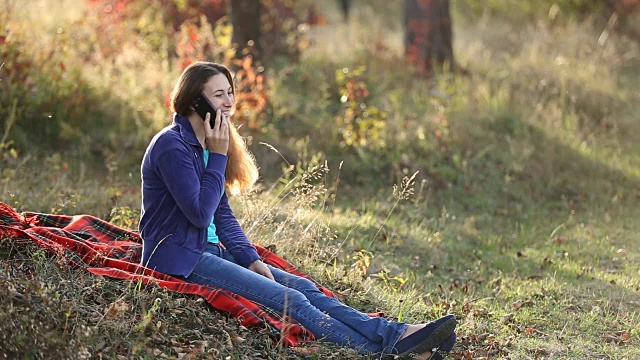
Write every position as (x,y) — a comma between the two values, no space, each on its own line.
(202,106)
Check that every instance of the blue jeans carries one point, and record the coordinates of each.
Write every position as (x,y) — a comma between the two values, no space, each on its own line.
(327,318)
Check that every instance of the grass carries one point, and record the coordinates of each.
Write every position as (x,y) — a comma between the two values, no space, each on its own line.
(521,219)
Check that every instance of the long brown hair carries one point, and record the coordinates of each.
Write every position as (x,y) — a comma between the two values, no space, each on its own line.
(241,172)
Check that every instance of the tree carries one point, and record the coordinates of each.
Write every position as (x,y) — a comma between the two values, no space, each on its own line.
(245,18)
(345,7)
(428,39)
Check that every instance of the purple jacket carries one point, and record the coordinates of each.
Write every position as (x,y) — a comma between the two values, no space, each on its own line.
(179,198)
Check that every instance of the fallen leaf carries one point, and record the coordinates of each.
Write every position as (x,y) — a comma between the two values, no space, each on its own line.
(307,350)
(213,352)
(529,331)
(571,307)
(199,345)
(115,310)
(480,312)
(519,304)
(188,356)
(542,351)
(507,318)
(625,336)
(342,295)
(617,337)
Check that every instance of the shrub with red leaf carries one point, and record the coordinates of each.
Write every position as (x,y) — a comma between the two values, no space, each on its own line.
(251,95)
(119,20)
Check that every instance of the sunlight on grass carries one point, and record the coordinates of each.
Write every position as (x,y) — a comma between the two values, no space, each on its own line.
(46,15)
(521,218)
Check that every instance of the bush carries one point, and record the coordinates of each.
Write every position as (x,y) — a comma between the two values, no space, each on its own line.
(55,108)
(619,15)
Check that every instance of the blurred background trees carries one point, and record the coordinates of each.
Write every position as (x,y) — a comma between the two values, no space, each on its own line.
(245,19)
(523,171)
(94,76)
(427,38)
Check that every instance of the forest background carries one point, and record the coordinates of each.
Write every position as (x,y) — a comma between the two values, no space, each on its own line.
(499,183)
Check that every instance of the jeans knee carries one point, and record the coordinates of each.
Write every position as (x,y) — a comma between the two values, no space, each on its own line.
(306,287)
(299,306)
(294,298)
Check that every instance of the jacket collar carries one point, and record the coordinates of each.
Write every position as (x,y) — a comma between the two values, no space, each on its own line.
(185,129)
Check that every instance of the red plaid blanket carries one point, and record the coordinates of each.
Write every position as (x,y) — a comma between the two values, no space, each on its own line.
(102,248)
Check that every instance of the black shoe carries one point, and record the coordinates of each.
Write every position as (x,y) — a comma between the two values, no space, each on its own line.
(444,348)
(430,338)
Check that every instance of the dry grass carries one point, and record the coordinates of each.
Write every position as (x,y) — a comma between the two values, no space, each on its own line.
(524,224)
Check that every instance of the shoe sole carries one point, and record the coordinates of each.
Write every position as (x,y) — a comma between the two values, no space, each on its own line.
(440,354)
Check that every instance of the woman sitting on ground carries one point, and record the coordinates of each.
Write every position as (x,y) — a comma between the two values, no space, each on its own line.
(189,230)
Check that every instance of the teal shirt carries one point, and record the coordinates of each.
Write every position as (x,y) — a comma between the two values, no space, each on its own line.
(212,237)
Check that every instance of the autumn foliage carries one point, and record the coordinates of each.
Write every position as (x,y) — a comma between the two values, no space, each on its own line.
(200,30)
(110,37)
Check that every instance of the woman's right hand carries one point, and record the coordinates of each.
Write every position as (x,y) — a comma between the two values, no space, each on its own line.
(217,137)
(261,268)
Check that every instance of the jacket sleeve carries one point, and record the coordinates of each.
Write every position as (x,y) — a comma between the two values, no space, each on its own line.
(198,200)
(232,236)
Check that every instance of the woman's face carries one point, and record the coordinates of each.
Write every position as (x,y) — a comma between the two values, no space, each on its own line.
(219,92)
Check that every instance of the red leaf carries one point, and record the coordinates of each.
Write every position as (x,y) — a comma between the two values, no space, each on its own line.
(625,336)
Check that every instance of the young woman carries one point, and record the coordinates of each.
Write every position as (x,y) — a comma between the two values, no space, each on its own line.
(189,230)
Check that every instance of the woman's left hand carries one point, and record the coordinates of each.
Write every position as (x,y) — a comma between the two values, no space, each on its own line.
(261,268)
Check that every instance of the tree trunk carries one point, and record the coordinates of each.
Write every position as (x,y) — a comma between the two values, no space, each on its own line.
(428,42)
(245,18)
(345,7)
